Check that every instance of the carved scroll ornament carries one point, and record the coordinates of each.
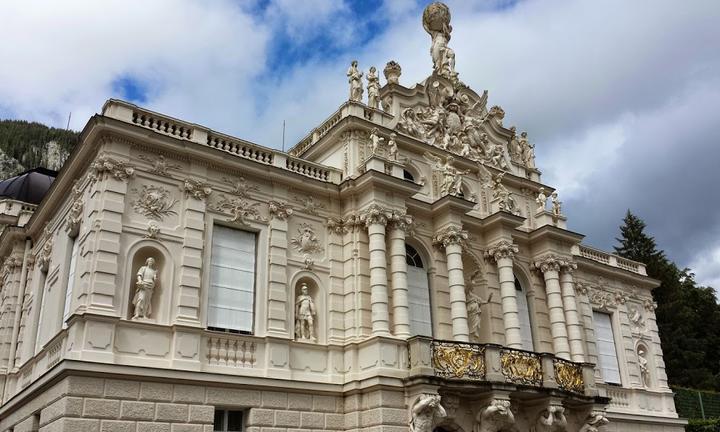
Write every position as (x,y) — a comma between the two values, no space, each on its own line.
(521,367)
(569,376)
(458,360)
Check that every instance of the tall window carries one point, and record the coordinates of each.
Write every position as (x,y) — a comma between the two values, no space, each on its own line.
(232,280)
(418,294)
(228,421)
(607,354)
(41,312)
(70,284)
(524,317)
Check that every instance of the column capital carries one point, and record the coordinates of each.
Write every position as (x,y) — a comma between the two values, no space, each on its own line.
(552,262)
(399,219)
(450,235)
(568,266)
(375,214)
(501,249)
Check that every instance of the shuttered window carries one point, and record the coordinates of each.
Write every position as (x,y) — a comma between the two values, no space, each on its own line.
(418,294)
(70,285)
(232,280)
(524,317)
(607,355)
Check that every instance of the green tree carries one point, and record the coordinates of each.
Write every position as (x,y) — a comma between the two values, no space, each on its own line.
(27,141)
(688,315)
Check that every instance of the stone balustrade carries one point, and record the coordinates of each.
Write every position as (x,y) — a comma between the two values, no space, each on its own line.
(494,363)
(610,259)
(165,125)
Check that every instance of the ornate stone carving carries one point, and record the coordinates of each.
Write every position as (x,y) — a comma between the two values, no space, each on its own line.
(556,204)
(500,250)
(436,21)
(375,142)
(279,210)
(426,413)
(549,262)
(450,177)
(643,365)
(196,189)
(355,79)
(305,312)
(551,419)
(451,235)
(458,360)
(451,403)
(160,165)
(541,200)
(594,422)
(373,87)
(506,201)
(636,319)
(521,367)
(392,72)
(239,208)
(43,256)
(309,205)
(154,202)
(241,187)
(74,217)
(339,226)
(569,376)
(474,303)
(144,287)
(105,165)
(307,243)
(375,214)
(495,417)
(649,305)
(152,230)
(392,147)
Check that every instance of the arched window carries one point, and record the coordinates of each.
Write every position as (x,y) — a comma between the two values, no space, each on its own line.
(524,317)
(418,293)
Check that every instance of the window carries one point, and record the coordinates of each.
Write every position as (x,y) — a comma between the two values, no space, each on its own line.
(524,317)
(228,421)
(418,294)
(607,355)
(232,280)
(41,300)
(70,284)
(407,175)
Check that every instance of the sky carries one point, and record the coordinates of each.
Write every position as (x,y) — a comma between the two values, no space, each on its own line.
(621,98)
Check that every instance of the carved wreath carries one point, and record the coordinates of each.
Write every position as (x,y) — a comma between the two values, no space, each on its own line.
(154,202)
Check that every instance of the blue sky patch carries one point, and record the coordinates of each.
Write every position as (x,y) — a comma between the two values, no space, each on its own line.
(130,89)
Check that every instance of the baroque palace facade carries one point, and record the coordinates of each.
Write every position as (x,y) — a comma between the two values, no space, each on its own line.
(401,268)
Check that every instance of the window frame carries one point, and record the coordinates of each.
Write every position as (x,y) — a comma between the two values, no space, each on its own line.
(415,257)
(225,420)
(528,314)
(70,277)
(613,338)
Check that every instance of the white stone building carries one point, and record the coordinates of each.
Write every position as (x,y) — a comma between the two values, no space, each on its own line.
(391,256)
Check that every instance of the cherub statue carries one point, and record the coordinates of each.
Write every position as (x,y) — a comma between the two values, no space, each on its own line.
(305,312)
(541,200)
(144,287)
(426,413)
(556,204)
(375,141)
(355,80)
(373,88)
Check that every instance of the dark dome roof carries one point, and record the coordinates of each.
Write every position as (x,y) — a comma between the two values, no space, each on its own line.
(30,186)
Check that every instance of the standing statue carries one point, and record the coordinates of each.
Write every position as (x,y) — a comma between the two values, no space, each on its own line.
(643,364)
(451,183)
(305,312)
(144,287)
(556,204)
(594,422)
(375,141)
(392,147)
(541,200)
(527,151)
(373,88)
(426,413)
(355,80)
(436,21)
(474,303)
(495,417)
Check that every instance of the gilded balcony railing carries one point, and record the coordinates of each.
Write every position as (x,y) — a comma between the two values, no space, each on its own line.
(458,360)
(521,367)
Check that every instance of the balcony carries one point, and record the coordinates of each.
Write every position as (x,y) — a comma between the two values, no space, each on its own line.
(490,363)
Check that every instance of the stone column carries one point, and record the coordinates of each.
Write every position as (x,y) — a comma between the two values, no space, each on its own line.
(502,253)
(452,239)
(574,328)
(398,275)
(375,219)
(550,268)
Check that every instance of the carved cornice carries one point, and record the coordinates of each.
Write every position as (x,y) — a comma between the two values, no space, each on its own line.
(501,249)
(451,235)
(375,214)
(105,165)
(279,210)
(196,189)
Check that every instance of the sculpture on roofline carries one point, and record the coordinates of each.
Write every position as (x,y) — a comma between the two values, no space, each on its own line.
(541,200)
(355,79)
(144,287)
(373,88)
(392,147)
(375,141)
(436,21)
(556,204)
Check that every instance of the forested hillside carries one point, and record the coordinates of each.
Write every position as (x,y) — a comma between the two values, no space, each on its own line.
(25,145)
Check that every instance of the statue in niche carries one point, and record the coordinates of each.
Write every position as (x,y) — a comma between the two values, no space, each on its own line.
(475,303)
(375,141)
(355,80)
(495,417)
(373,88)
(305,312)
(556,204)
(551,420)
(392,147)
(144,287)
(426,413)
(643,364)
(541,200)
